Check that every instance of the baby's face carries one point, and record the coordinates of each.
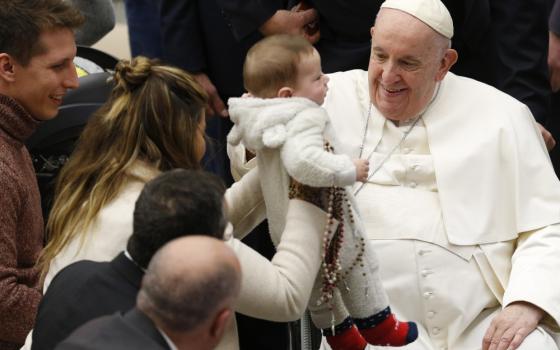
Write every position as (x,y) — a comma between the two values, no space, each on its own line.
(312,83)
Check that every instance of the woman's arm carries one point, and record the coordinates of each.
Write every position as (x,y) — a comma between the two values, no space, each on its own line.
(279,290)
(245,203)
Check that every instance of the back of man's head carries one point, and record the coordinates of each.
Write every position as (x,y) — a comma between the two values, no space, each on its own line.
(23,21)
(177,203)
(189,290)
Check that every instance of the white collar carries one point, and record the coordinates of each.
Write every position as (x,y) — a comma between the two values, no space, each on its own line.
(167,340)
(129,257)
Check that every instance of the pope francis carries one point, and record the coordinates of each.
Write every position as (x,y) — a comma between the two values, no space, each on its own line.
(461,202)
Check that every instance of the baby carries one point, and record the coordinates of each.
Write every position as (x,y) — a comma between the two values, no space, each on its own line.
(282,122)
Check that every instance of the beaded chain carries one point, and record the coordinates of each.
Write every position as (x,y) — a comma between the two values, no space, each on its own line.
(330,256)
(397,146)
(331,270)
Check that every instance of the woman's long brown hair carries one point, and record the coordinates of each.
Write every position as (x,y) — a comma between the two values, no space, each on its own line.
(152,115)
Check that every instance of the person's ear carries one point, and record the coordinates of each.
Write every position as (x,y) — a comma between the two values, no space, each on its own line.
(7,71)
(285,92)
(447,61)
(220,323)
(371,30)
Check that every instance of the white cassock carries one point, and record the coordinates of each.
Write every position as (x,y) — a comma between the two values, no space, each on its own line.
(464,215)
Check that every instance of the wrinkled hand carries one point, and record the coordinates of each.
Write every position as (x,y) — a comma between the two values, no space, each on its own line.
(292,22)
(508,330)
(554,60)
(549,140)
(362,169)
(215,104)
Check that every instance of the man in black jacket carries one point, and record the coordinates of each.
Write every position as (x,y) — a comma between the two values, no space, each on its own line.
(177,203)
(185,302)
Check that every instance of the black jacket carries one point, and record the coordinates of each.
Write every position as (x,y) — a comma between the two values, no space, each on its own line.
(133,330)
(81,292)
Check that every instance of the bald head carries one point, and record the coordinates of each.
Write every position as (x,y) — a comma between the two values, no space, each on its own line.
(188,281)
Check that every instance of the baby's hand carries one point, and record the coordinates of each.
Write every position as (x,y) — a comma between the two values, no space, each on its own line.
(362,169)
(246,95)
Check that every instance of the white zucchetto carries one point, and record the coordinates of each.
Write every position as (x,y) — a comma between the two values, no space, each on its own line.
(432,12)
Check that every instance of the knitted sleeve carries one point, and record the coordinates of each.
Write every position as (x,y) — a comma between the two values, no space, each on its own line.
(279,290)
(305,157)
(245,204)
(18,302)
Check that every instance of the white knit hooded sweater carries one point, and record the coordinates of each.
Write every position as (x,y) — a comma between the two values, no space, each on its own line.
(287,136)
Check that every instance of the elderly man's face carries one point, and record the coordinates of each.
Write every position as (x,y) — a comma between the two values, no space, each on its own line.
(408,58)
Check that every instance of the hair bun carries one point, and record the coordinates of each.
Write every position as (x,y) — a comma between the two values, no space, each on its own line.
(131,74)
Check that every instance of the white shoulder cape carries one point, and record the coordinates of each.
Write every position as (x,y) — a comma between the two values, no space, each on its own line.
(494,175)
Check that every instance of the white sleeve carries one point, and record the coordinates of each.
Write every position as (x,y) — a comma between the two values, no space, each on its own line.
(305,158)
(245,204)
(239,165)
(279,290)
(534,272)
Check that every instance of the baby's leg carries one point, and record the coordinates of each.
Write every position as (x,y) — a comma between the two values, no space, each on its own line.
(365,298)
(334,315)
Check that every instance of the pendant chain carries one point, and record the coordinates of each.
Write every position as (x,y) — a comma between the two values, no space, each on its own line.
(388,155)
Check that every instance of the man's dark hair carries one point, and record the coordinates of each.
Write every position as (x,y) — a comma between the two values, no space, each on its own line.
(177,203)
(23,21)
